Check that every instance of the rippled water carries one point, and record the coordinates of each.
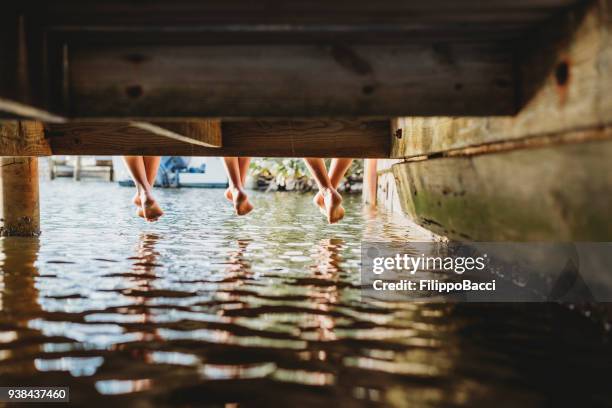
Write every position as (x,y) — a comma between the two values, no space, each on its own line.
(204,308)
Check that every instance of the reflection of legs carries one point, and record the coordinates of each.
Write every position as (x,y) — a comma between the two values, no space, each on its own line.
(236,175)
(140,172)
(332,201)
(337,169)
(147,270)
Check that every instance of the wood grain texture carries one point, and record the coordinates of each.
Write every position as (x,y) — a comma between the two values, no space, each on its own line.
(202,132)
(294,12)
(11,109)
(384,22)
(294,58)
(559,193)
(8,52)
(19,202)
(316,138)
(23,138)
(290,81)
(573,95)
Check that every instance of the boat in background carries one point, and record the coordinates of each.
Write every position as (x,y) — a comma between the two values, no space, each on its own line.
(180,171)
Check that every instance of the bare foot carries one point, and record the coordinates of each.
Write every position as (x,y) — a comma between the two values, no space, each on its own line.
(333,205)
(241,201)
(319,202)
(149,209)
(138,203)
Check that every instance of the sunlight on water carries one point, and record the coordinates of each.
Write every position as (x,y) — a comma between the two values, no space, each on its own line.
(261,310)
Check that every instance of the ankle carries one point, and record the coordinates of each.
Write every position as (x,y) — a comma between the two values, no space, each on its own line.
(328,191)
(146,195)
(237,191)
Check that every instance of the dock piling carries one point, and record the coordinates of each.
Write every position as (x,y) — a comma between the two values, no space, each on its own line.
(19,199)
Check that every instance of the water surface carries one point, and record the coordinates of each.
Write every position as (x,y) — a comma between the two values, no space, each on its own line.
(204,308)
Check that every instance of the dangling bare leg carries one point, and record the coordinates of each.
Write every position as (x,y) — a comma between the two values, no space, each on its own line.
(337,169)
(236,190)
(142,169)
(243,165)
(151,164)
(332,201)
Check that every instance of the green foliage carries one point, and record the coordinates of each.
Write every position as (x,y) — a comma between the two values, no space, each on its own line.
(293,175)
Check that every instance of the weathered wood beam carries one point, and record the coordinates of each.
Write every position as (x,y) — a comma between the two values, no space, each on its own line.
(294,22)
(23,65)
(566,88)
(23,138)
(9,30)
(289,81)
(544,174)
(19,201)
(293,12)
(27,138)
(99,59)
(295,138)
(201,132)
(12,109)
(552,193)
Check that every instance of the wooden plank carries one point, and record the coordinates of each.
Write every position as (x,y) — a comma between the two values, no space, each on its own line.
(574,53)
(27,138)
(8,52)
(23,66)
(290,81)
(13,109)
(554,193)
(426,64)
(202,132)
(314,22)
(23,138)
(288,11)
(288,138)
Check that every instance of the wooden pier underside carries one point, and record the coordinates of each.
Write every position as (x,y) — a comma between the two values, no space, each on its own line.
(543,174)
(238,58)
(452,89)
(326,74)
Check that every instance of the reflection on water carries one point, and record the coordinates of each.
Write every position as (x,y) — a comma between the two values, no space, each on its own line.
(204,307)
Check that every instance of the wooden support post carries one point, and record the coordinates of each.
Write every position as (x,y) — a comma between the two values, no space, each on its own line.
(19,196)
(51,168)
(370,182)
(76,174)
